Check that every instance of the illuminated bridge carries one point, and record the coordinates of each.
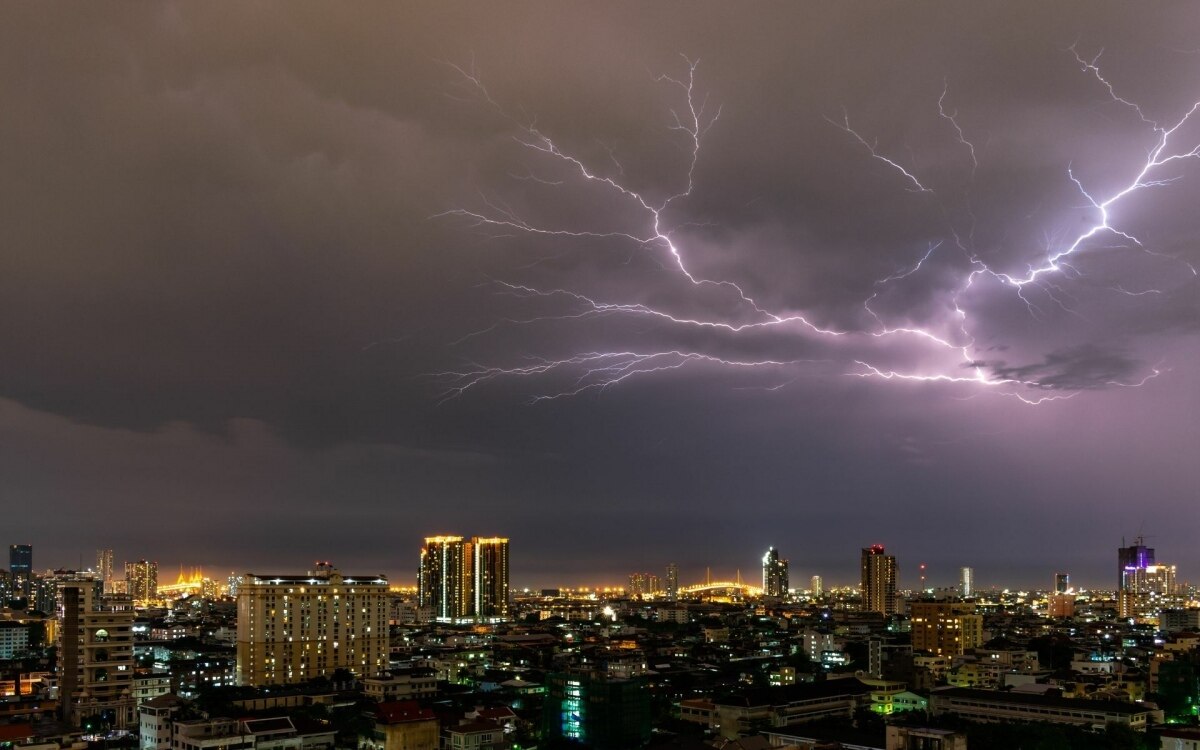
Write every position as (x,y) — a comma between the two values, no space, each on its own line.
(719,588)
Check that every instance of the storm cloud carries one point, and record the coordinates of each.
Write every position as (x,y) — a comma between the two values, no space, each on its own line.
(236,261)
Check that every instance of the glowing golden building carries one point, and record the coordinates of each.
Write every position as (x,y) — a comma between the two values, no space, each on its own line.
(464,580)
(294,628)
(945,628)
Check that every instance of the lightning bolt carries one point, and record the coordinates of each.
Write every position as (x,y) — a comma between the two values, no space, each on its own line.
(691,121)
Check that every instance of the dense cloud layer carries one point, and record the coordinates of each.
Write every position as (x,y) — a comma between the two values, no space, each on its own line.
(233,261)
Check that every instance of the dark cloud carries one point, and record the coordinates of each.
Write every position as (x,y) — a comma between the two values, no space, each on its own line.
(1078,368)
(228,276)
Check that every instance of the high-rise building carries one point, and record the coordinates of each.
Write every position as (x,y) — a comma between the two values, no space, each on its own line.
(879,573)
(444,580)
(1133,589)
(464,580)
(141,580)
(491,579)
(597,710)
(1131,561)
(817,586)
(643,586)
(945,628)
(1062,583)
(774,574)
(672,582)
(95,658)
(20,568)
(295,628)
(104,567)
(966,582)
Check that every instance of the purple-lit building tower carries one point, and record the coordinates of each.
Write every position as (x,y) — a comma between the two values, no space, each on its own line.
(1132,562)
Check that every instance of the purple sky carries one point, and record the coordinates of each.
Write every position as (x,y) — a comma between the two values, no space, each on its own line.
(243,241)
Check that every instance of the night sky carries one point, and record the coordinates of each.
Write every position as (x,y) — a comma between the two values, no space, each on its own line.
(246,247)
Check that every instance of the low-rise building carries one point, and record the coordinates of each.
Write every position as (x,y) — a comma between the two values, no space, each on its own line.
(401,685)
(402,725)
(992,705)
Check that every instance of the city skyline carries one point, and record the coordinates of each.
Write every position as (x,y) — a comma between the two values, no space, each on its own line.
(660,285)
(841,573)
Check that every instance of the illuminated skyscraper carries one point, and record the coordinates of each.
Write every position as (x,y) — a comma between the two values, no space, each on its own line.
(445,579)
(141,580)
(879,572)
(491,578)
(1133,562)
(816,586)
(643,585)
(966,582)
(672,582)
(20,568)
(104,566)
(464,581)
(774,574)
(1062,583)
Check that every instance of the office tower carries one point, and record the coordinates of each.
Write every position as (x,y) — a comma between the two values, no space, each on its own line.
(294,628)
(945,628)
(464,581)
(816,586)
(104,567)
(672,582)
(966,582)
(491,579)
(95,658)
(1062,583)
(879,574)
(141,581)
(20,568)
(774,574)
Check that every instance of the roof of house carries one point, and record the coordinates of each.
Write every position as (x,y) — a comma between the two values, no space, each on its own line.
(398,712)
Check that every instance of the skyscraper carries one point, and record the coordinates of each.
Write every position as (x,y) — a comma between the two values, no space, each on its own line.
(141,580)
(817,586)
(879,574)
(774,574)
(643,585)
(445,580)
(1062,583)
(464,581)
(104,566)
(1131,562)
(295,628)
(491,579)
(966,582)
(20,568)
(672,582)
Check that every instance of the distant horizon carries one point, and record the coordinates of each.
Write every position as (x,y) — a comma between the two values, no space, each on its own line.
(521,577)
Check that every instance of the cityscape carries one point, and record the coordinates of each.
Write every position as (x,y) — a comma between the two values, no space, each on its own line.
(711,375)
(466,660)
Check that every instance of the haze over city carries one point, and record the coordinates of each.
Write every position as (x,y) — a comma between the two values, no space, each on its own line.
(627,285)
